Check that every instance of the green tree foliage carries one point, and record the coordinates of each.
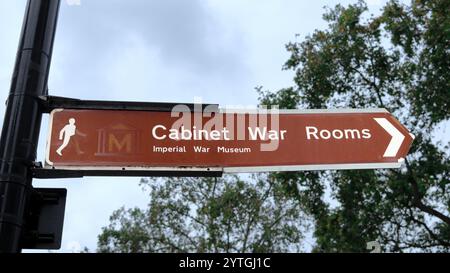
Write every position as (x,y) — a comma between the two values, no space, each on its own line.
(398,60)
(208,215)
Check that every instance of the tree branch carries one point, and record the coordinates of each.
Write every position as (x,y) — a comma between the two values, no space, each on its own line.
(432,234)
(417,198)
(253,213)
(369,82)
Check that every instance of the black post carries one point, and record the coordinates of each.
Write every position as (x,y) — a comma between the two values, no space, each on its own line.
(19,138)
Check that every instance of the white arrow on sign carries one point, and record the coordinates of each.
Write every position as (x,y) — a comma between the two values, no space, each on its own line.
(397,137)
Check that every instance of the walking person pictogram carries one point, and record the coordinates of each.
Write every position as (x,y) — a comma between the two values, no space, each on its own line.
(65,134)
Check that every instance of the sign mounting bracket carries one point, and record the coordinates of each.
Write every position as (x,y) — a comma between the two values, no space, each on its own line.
(41,172)
(50,103)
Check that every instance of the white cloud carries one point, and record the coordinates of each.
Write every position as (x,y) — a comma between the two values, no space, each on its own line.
(374,2)
(73,247)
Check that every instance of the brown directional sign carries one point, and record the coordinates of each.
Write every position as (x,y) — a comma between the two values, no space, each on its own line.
(231,141)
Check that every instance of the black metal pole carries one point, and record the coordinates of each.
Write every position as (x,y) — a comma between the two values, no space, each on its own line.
(21,126)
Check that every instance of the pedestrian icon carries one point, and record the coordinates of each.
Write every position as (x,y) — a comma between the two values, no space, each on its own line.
(65,134)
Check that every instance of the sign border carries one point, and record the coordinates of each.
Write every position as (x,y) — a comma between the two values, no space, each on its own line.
(316,167)
(253,169)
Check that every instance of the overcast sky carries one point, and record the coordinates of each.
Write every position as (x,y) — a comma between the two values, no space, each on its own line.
(149,50)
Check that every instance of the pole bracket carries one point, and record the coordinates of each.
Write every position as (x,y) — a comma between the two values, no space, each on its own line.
(44,220)
(50,103)
(40,172)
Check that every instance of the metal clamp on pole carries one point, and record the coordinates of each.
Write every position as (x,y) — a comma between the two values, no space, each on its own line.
(54,173)
(44,219)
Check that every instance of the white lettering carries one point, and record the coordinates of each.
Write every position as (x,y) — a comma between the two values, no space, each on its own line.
(160,132)
(154,132)
(311,131)
(262,134)
(366,134)
(325,134)
(337,134)
(314,133)
(352,133)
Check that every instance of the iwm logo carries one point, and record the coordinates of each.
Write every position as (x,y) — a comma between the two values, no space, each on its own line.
(118,139)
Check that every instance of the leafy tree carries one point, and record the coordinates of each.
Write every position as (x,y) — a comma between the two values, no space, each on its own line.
(208,215)
(398,60)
